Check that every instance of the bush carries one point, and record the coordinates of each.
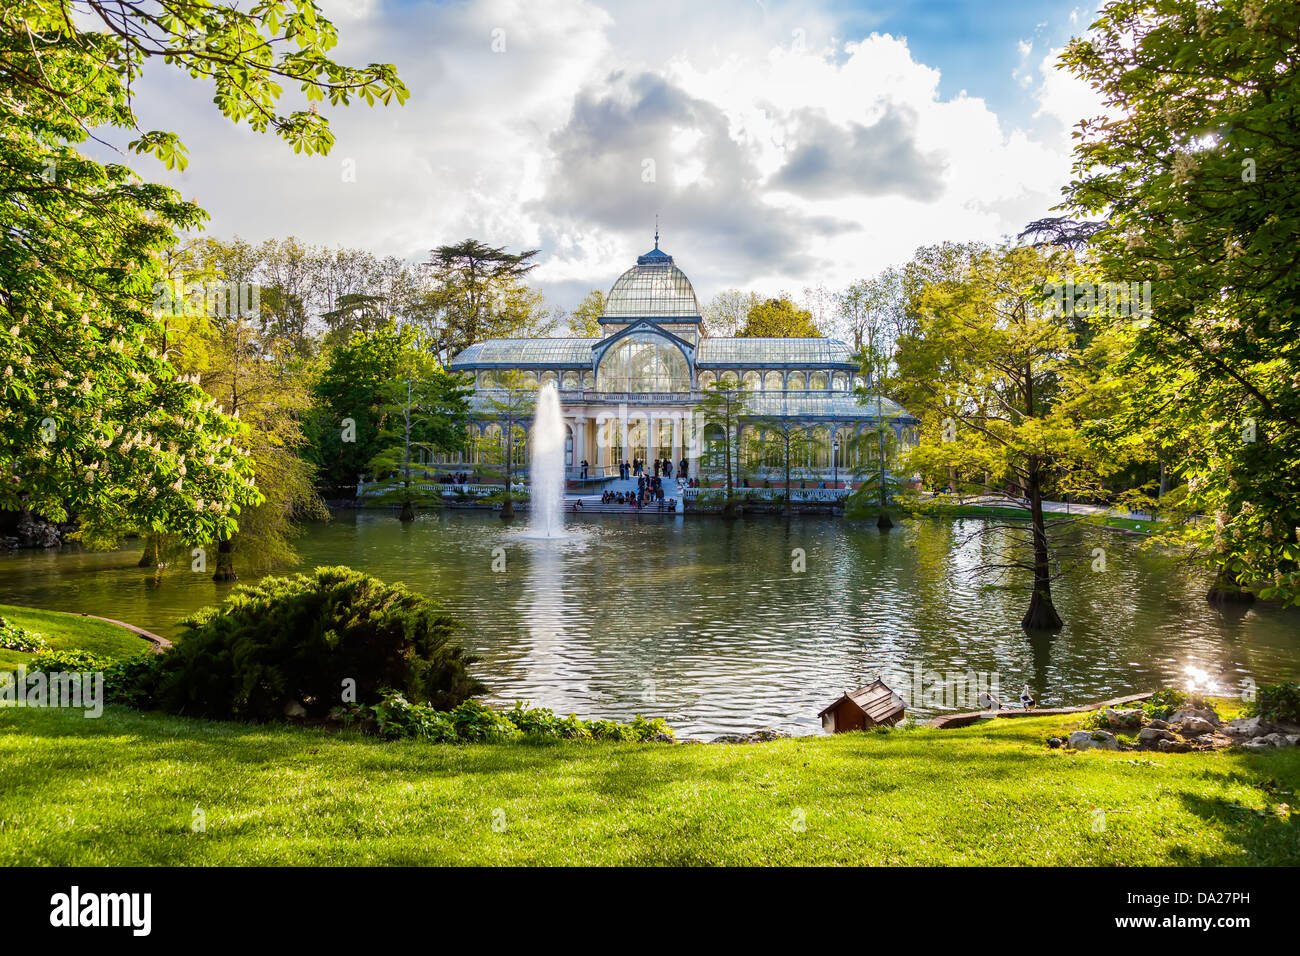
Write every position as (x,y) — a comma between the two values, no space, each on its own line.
(472,722)
(15,638)
(1277,702)
(133,681)
(300,638)
(52,660)
(1162,704)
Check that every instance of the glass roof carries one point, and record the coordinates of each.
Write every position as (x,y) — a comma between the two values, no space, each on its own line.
(826,405)
(769,352)
(653,288)
(526,352)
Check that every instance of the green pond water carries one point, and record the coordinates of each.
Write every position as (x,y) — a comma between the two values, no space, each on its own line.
(705,622)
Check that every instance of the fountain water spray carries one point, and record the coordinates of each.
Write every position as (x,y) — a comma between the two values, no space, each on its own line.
(546,507)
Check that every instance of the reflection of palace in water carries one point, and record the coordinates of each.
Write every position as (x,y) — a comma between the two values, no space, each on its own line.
(631,393)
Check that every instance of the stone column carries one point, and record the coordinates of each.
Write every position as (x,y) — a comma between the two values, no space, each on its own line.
(651,440)
(626,452)
(677,440)
(579,443)
(602,443)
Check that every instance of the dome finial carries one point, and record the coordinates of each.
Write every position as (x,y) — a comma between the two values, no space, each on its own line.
(656,230)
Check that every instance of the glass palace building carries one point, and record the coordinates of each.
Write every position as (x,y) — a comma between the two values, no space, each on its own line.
(633,393)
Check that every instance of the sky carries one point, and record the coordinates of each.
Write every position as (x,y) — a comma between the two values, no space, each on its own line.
(781,145)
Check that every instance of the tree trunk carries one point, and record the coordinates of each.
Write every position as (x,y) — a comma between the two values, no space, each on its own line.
(508,504)
(152,552)
(408,511)
(729,506)
(225,561)
(1224,590)
(1041,615)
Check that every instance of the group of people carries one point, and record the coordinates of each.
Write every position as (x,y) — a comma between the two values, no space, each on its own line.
(663,468)
(642,498)
(456,478)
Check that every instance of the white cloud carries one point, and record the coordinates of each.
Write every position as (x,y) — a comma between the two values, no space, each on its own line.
(785,156)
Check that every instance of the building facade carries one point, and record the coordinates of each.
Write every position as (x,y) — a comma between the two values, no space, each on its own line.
(634,392)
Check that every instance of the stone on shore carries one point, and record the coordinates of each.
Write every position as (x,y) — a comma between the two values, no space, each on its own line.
(1092,740)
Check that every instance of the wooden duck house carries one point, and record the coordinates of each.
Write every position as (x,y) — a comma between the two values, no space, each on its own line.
(864,708)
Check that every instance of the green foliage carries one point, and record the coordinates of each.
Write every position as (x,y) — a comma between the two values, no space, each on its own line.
(1277,702)
(15,638)
(394,717)
(779,318)
(133,681)
(1199,185)
(1163,703)
(300,638)
(95,421)
(61,660)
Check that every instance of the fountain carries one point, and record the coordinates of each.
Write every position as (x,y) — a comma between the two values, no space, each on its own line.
(546,507)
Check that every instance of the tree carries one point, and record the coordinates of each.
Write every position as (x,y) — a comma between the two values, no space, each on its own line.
(583,320)
(254,369)
(723,406)
(873,310)
(350,398)
(990,362)
(511,404)
(95,421)
(1199,181)
(783,441)
(780,319)
(426,412)
(480,292)
(728,311)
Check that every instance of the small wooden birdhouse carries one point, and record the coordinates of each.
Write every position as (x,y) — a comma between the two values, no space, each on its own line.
(864,708)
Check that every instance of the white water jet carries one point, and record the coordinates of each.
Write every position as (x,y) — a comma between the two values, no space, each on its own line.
(546,475)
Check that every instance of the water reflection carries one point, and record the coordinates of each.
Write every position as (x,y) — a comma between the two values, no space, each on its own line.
(712,624)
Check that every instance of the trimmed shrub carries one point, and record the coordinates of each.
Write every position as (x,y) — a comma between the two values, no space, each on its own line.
(133,681)
(296,640)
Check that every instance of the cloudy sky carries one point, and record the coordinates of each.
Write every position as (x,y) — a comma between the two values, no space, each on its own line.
(781,145)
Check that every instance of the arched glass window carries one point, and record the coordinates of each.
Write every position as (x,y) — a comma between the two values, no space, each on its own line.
(730,379)
(643,362)
(821,447)
(846,456)
(772,382)
(706,380)
(795,380)
(588,380)
(571,380)
(487,379)
(529,378)
(751,380)
(817,380)
(840,382)
(551,378)
(859,381)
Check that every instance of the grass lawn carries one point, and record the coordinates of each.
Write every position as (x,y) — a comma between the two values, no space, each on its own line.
(69,632)
(123,789)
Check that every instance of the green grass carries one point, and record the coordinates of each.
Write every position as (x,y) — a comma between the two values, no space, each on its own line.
(69,632)
(123,789)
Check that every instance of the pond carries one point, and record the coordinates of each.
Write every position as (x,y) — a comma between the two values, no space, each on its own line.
(713,625)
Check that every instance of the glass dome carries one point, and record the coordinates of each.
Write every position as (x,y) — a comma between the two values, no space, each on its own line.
(654,288)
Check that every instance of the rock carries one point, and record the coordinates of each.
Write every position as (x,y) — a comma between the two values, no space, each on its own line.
(762,735)
(663,739)
(1122,719)
(1158,724)
(1281,740)
(1055,742)
(1152,736)
(1259,743)
(1188,713)
(1173,746)
(1092,740)
(1248,727)
(294,710)
(1195,727)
